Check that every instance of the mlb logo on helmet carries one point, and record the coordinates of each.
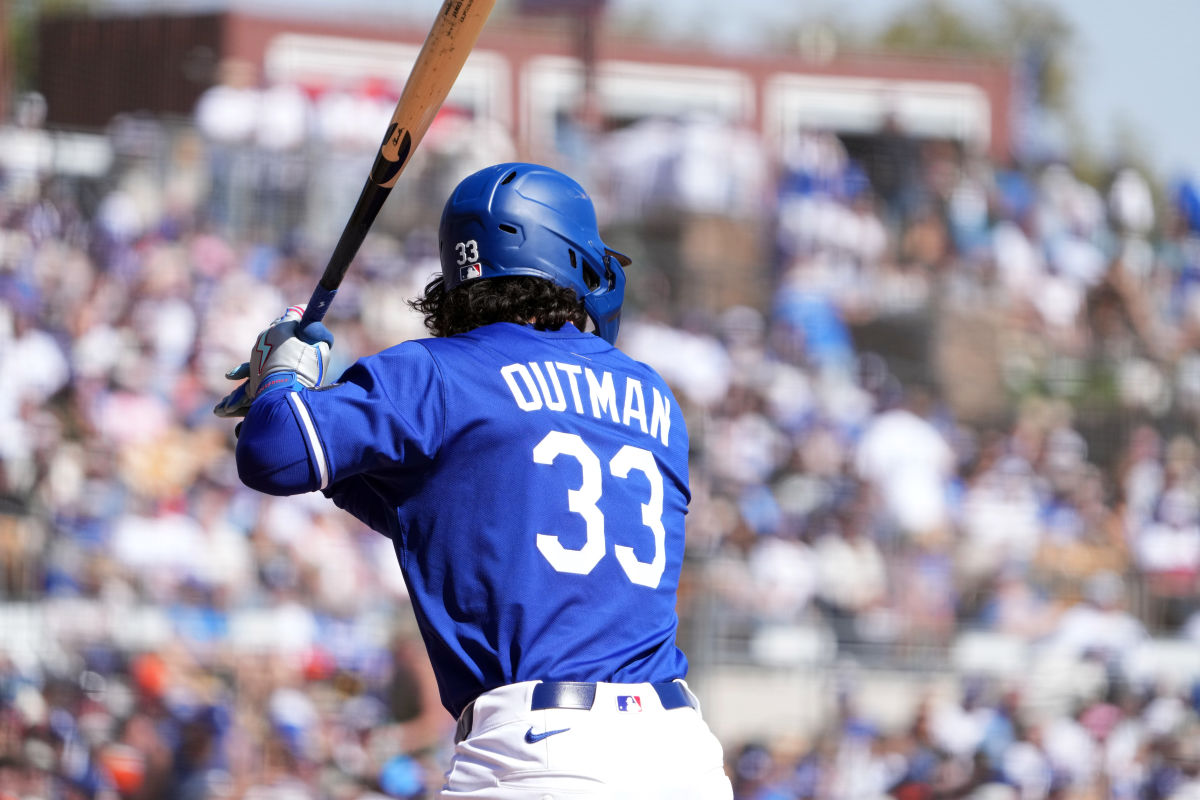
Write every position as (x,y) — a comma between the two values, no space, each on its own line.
(629,702)
(470,271)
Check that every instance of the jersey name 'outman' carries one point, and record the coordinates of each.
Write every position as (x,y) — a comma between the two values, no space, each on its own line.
(536,386)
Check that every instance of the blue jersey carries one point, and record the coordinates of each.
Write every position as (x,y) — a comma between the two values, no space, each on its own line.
(534,484)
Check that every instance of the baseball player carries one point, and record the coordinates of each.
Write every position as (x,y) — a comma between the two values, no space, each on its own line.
(533,480)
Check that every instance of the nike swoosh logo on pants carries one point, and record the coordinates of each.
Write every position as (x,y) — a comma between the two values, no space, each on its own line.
(534,738)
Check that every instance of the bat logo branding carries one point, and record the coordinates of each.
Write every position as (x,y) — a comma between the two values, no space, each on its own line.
(386,168)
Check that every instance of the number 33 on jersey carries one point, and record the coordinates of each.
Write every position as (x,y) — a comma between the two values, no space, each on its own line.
(583,501)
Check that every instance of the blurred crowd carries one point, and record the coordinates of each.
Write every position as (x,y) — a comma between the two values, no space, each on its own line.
(1122,742)
(1032,480)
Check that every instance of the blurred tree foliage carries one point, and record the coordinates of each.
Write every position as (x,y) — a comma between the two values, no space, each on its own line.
(1020,29)
(1029,31)
(20,29)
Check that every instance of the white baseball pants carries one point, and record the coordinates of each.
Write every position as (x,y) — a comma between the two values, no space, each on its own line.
(626,746)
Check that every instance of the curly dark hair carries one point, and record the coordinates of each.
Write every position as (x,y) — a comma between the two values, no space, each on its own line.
(512,298)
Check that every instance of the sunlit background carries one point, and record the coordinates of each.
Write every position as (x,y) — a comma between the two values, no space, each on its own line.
(930,306)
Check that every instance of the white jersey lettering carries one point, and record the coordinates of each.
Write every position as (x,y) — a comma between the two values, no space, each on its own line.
(531,401)
(557,401)
(603,394)
(572,372)
(540,385)
(635,404)
(660,419)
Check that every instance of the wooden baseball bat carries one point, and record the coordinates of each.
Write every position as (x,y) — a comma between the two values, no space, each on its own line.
(450,40)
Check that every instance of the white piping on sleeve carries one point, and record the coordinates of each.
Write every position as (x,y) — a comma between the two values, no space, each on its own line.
(313,439)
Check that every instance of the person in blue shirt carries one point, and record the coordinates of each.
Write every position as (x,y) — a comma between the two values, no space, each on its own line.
(533,480)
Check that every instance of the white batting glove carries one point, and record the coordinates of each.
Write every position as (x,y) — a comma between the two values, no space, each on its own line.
(284,357)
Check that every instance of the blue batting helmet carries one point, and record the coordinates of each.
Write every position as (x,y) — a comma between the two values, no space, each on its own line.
(526,219)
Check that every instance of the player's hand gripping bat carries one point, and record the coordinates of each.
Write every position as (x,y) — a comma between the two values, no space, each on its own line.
(441,58)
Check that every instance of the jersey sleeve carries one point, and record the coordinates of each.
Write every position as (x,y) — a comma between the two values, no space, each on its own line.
(385,415)
(272,456)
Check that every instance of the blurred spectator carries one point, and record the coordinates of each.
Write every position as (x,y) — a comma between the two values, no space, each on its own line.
(1167,550)
(852,578)
(26,151)
(909,463)
(281,135)
(1131,204)
(1100,625)
(1000,519)
(894,168)
(226,116)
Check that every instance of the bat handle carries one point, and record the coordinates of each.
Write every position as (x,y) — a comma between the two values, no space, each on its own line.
(318,304)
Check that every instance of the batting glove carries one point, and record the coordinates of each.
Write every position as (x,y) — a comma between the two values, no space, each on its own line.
(285,356)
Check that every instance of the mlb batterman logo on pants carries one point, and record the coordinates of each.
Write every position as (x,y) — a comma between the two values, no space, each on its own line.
(546,596)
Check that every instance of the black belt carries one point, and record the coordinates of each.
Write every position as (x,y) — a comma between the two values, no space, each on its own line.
(569,694)
(577,695)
